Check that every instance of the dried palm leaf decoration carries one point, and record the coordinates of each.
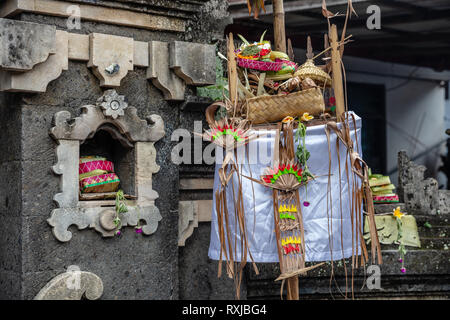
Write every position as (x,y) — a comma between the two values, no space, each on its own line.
(356,170)
(359,193)
(285,178)
(231,134)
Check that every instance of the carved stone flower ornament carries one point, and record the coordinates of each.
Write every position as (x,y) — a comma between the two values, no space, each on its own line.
(112,104)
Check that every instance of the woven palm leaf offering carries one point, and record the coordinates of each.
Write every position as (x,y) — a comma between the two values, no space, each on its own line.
(229,134)
(97,175)
(269,92)
(289,173)
(271,86)
(310,71)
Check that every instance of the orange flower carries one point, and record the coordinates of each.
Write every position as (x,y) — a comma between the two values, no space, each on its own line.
(287,119)
(306,117)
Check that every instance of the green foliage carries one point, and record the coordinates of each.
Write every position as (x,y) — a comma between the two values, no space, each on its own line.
(121,207)
(250,50)
(401,247)
(216,92)
(302,153)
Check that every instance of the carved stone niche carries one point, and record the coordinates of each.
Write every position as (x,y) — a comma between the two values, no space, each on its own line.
(132,140)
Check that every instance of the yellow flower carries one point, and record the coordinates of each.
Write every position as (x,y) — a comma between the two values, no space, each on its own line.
(306,117)
(397,213)
(287,119)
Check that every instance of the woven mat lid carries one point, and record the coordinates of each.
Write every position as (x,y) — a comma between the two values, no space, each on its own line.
(310,70)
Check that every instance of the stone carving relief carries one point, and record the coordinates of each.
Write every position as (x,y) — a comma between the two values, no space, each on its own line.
(187,221)
(72,285)
(194,68)
(43,53)
(70,133)
(159,72)
(113,104)
(111,57)
(190,213)
(37,79)
(16,54)
(420,195)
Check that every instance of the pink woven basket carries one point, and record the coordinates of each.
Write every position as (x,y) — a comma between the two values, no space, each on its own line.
(260,65)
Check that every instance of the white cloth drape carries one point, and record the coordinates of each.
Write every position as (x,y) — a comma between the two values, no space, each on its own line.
(318,223)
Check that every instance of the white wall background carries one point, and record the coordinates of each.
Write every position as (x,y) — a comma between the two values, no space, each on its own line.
(417,114)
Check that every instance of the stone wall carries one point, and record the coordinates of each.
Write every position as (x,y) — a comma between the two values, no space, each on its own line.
(10,198)
(131,266)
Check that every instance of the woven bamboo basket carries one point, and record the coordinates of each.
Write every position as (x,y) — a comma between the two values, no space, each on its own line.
(264,109)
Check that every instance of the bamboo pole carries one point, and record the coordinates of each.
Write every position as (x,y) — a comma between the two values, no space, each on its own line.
(337,73)
(232,70)
(292,288)
(278,26)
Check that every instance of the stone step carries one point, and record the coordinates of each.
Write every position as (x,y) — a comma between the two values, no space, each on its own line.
(433,220)
(388,207)
(403,286)
(437,232)
(438,219)
(417,262)
(425,244)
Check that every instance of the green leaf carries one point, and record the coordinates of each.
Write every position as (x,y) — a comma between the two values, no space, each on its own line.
(262,36)
(243,39)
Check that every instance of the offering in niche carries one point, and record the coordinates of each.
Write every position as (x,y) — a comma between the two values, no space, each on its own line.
(97,175)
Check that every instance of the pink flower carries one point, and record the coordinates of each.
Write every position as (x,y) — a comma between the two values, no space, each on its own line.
(403,270)
(400,260)
(306,203)
(118,233)
(138,230)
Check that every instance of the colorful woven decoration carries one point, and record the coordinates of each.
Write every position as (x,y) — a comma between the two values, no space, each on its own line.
(282,169)
(285,179)
(228,130)
(287,212)
(94,164)
(287,176)
(101,183)
(291,244)
(97,175)
(259,56)
(260,65)
(386,199)
(228,134)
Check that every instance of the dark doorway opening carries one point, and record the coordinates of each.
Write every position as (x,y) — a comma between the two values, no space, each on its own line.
(369,102)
